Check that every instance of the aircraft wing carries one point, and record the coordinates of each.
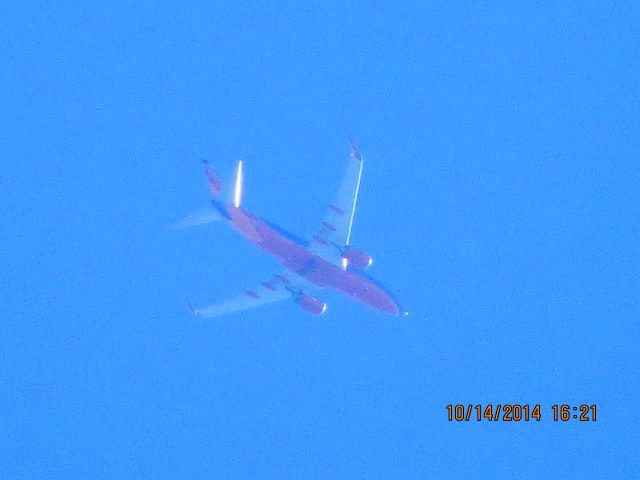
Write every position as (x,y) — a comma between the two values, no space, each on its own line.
(335,233)
(282,286)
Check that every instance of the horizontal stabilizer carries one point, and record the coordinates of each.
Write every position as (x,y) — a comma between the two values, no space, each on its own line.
(198,218)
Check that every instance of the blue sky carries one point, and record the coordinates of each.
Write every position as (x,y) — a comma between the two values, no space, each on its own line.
(499,200)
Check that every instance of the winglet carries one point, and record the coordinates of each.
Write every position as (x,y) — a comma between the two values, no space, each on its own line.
(193,310)
(355,154)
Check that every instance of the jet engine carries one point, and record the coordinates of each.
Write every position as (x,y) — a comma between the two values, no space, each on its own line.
(357,258)
(311,304)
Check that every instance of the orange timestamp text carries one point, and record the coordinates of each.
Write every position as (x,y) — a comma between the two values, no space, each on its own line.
(514,412)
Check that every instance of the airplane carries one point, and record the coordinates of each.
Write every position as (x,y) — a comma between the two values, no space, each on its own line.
(326,261)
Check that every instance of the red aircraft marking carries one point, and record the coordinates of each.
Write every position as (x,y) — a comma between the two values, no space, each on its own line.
(315,269)
(214,183)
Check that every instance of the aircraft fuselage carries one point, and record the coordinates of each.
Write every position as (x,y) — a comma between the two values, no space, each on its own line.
(297,258)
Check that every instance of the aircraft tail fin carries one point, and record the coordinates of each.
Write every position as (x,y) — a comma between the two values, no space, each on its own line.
(237,189)
(214,184)
(219,191)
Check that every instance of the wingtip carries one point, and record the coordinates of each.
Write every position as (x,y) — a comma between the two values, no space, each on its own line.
(355,153)
(193,310)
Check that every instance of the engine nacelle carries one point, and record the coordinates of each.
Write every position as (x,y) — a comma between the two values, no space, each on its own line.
(357,258)
(311,304)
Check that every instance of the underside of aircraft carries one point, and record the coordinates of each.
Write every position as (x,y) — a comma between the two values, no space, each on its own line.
(326,261)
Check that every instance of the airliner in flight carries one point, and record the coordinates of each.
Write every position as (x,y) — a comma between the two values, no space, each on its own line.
(326,261)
